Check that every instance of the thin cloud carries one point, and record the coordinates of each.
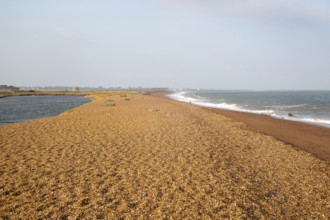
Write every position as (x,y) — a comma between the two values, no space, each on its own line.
(289,11)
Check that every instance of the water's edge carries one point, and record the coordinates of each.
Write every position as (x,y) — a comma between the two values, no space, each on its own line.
(179,96)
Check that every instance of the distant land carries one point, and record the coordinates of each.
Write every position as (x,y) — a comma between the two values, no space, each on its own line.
(6,87)
(99,88)
(70,88)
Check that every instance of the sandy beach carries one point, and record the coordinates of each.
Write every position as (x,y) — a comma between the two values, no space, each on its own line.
(138,156)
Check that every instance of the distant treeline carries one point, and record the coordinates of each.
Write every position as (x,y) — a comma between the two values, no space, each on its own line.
(66,88)
(6,87)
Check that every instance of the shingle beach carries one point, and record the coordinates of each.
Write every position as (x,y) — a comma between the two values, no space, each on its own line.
(136,156)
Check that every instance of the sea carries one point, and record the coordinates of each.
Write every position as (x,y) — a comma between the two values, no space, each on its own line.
(304,106)
(22,108)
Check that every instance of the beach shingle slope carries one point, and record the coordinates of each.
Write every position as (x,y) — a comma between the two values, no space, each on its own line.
(151,158)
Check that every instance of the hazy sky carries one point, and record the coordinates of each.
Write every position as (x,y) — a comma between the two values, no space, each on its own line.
(218,44)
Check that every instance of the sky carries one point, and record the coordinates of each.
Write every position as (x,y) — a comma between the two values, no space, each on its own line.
(208,44)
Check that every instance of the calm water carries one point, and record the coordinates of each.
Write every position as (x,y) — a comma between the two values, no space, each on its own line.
(22,108)
(306,106)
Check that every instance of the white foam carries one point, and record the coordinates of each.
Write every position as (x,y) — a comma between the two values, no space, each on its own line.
(181,97)
(316,121)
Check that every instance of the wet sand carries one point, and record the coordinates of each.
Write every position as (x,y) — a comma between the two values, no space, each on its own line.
(143,157)
(308,137)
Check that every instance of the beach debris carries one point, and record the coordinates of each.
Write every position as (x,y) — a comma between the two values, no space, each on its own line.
(153,110)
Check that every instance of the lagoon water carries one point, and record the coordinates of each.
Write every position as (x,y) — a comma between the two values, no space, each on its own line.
(22,108)
(306,106)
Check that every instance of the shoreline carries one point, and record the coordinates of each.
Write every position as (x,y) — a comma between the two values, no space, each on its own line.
(288,115)
(314,139)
